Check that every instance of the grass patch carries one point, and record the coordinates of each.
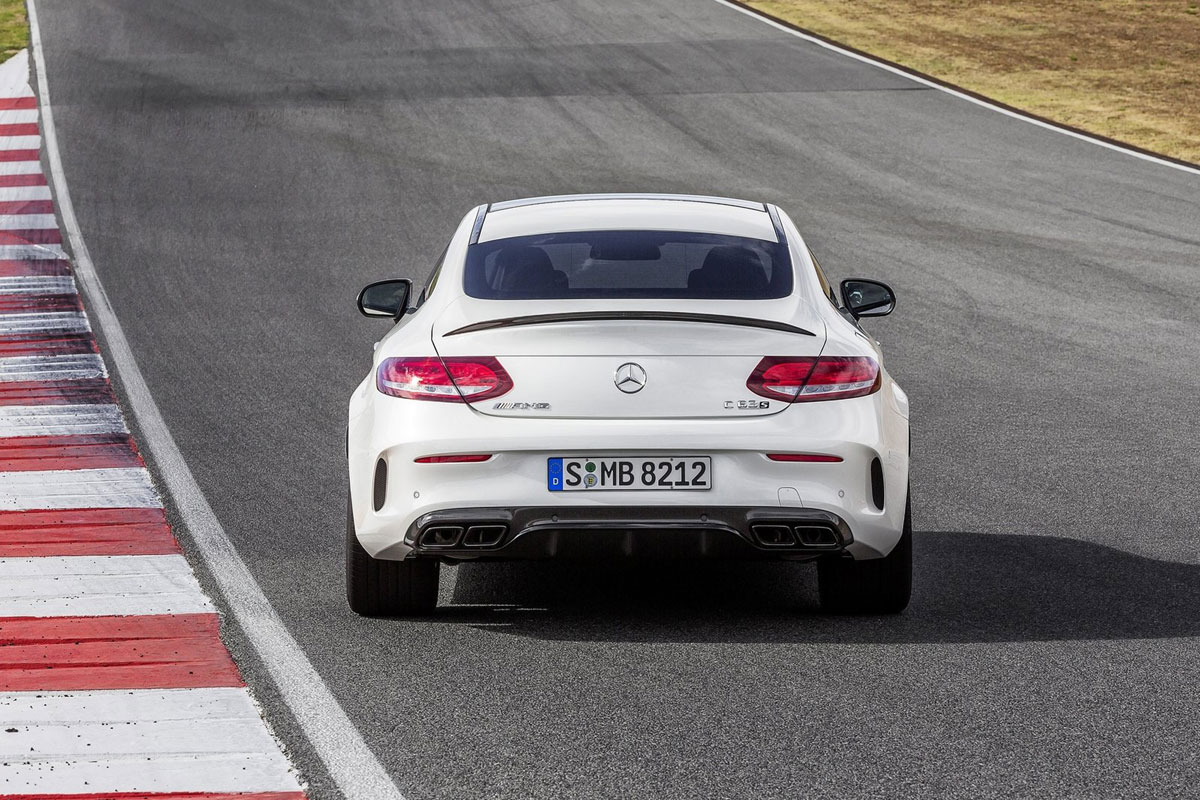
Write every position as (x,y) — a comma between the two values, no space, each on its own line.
(14,28)
(1127,69)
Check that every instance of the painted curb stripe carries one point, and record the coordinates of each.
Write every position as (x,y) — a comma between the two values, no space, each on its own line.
(99,586)
(13,116)
(55,393)
(26,207)
(76,488)
(24,251)
(162,796)
(61,420)
(32,235)
(13,175)
(37,284)
(51,368)
(102,451)
(157,740)
(73,321)
(47,344)
(40,267)
(19,129)
(16,221)
(18,102)
(10,194)
(33,303)
(86,532)
(177,651)
(19,155)
(21,142)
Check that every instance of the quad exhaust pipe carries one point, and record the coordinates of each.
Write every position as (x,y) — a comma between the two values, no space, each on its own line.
(806,535)
(448,537)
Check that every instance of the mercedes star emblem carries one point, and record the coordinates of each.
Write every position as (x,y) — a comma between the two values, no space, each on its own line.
(630,378)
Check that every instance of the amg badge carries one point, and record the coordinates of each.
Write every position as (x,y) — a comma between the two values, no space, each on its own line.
(520,406)
(746,405)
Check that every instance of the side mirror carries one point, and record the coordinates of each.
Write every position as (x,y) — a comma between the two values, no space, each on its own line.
(385,298)
(864,298)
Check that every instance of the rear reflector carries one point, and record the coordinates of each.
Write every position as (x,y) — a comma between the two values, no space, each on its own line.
(473,458)
(450,380)
(805,379)
(809,458)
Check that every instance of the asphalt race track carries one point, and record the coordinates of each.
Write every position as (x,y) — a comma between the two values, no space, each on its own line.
(241,169)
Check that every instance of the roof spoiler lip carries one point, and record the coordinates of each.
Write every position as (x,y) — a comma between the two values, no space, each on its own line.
(682,198)
(618,316)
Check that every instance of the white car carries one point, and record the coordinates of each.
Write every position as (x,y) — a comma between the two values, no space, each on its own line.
(614,376)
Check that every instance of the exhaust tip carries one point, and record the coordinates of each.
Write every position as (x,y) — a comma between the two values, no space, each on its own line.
(774,535)
(484,535)
(441,536)
(816,536)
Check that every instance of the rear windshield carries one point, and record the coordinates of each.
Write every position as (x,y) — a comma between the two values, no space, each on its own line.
(628,264)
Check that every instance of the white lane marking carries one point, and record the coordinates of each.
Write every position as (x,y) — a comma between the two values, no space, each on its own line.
(51,368)
(43,490)
(961,95)
(10,194)
(173,740)
(29,142)
(99,586)
(27,222)
(66,420)
(37,284)
(350,762)
(20,168)
(50,322)
(23,252)
(18,116)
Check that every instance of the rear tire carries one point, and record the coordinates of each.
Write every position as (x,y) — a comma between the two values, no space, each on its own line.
(379,588)
(877,586)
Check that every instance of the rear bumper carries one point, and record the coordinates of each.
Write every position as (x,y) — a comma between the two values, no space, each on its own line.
(627,532)
(863,432)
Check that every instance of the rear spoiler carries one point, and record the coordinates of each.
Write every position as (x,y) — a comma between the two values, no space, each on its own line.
(623,316)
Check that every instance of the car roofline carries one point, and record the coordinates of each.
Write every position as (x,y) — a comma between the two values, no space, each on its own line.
(482,212)
(572,198)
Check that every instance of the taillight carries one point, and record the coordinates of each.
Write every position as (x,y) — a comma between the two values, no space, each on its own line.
(451,380)
(805,379)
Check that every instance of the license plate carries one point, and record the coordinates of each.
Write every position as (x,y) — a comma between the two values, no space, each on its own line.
(581,474)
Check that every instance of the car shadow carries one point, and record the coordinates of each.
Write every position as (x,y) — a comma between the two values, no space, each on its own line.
(968,587)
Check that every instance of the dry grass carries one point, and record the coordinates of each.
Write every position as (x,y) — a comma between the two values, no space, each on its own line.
(1127,69)
(14,28)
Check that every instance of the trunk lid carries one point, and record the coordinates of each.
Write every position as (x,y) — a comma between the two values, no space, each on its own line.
(585,361)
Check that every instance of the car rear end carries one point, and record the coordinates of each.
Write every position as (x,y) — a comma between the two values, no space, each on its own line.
(574,403)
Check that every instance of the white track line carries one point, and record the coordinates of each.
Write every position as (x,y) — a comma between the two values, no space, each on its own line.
(961,95)
(10,194)
(53,322)
(114,487)
(99,586)
(175,740)
(65,420)
(51,368)
(37,284)
(350,762)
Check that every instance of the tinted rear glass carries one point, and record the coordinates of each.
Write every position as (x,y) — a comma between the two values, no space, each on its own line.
(628,264)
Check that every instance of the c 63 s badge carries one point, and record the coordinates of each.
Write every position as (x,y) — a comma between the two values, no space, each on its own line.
(746,405)
(520,406)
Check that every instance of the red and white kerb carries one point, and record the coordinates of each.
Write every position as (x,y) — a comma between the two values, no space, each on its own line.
(114,681)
